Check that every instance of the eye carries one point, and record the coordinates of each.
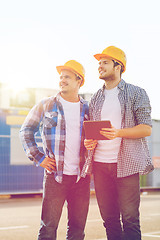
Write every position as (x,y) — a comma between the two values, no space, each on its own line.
(104,62)
(64,77)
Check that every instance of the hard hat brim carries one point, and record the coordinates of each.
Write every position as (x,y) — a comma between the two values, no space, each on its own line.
(60,68)
(100,55)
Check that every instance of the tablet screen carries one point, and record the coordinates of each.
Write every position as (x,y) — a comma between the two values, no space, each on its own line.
(92,129)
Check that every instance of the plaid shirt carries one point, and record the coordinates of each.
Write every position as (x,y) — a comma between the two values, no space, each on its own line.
(48,116)
(134,154)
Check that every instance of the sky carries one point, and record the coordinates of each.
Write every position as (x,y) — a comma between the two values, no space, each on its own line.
(37,35)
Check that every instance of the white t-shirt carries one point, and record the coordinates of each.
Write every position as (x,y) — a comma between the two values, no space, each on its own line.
(107,150)
(72,146)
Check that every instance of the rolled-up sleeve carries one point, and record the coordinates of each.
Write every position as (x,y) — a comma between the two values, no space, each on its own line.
(142,108)
(27,133)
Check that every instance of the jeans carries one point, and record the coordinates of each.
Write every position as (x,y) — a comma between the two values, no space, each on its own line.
(76,194)
(118,200)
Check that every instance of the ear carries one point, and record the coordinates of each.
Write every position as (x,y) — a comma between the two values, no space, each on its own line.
(80,82)
(118,68)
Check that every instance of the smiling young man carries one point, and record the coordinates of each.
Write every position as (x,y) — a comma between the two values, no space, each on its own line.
(119,160)
(61,120)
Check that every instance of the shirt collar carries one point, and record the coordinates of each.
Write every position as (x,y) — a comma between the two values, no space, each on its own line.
(80,98)
(121,84)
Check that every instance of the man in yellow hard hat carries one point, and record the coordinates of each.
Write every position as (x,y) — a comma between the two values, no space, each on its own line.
(119,160)
(61,119)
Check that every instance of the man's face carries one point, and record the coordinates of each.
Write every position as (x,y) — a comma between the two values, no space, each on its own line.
(106,69)
(68,81)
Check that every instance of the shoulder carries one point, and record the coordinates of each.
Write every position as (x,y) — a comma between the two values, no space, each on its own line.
(97,95)
(44,104)
(133,90)
(46,100)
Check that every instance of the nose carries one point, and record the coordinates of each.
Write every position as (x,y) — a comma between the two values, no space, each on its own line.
(100,67)
(62,78)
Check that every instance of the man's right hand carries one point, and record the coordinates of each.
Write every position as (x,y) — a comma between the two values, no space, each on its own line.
(49,164)
(90,144)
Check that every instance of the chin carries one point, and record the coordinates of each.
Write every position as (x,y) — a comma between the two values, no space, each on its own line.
(63,91)
(101,77)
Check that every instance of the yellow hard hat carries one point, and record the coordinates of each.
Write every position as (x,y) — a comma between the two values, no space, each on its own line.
(114,53)
(73,66)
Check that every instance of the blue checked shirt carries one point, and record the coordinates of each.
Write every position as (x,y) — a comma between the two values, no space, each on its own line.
(48,117)
(134,154)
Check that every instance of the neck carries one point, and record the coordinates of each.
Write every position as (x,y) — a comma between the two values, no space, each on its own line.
(70,98)
(109,84)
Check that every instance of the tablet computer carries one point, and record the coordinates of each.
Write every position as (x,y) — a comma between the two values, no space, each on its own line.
(92,129)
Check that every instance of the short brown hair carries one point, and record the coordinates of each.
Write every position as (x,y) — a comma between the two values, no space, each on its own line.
(116,64)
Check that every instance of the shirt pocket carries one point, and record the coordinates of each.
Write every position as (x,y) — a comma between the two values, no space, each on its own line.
(50,119)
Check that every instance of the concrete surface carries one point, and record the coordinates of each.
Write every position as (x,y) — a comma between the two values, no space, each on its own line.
(20,218)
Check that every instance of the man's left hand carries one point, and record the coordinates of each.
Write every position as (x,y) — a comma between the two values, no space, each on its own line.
(110,133)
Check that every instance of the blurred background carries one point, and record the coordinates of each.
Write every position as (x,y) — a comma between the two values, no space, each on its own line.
(37,35)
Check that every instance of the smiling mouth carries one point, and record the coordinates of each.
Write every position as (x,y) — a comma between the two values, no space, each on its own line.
(63,85)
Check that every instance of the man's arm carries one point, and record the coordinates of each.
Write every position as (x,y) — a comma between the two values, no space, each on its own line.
(27,133)
(139,131)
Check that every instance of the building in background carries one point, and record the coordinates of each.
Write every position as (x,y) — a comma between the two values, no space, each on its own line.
(17,173)
(154,143)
